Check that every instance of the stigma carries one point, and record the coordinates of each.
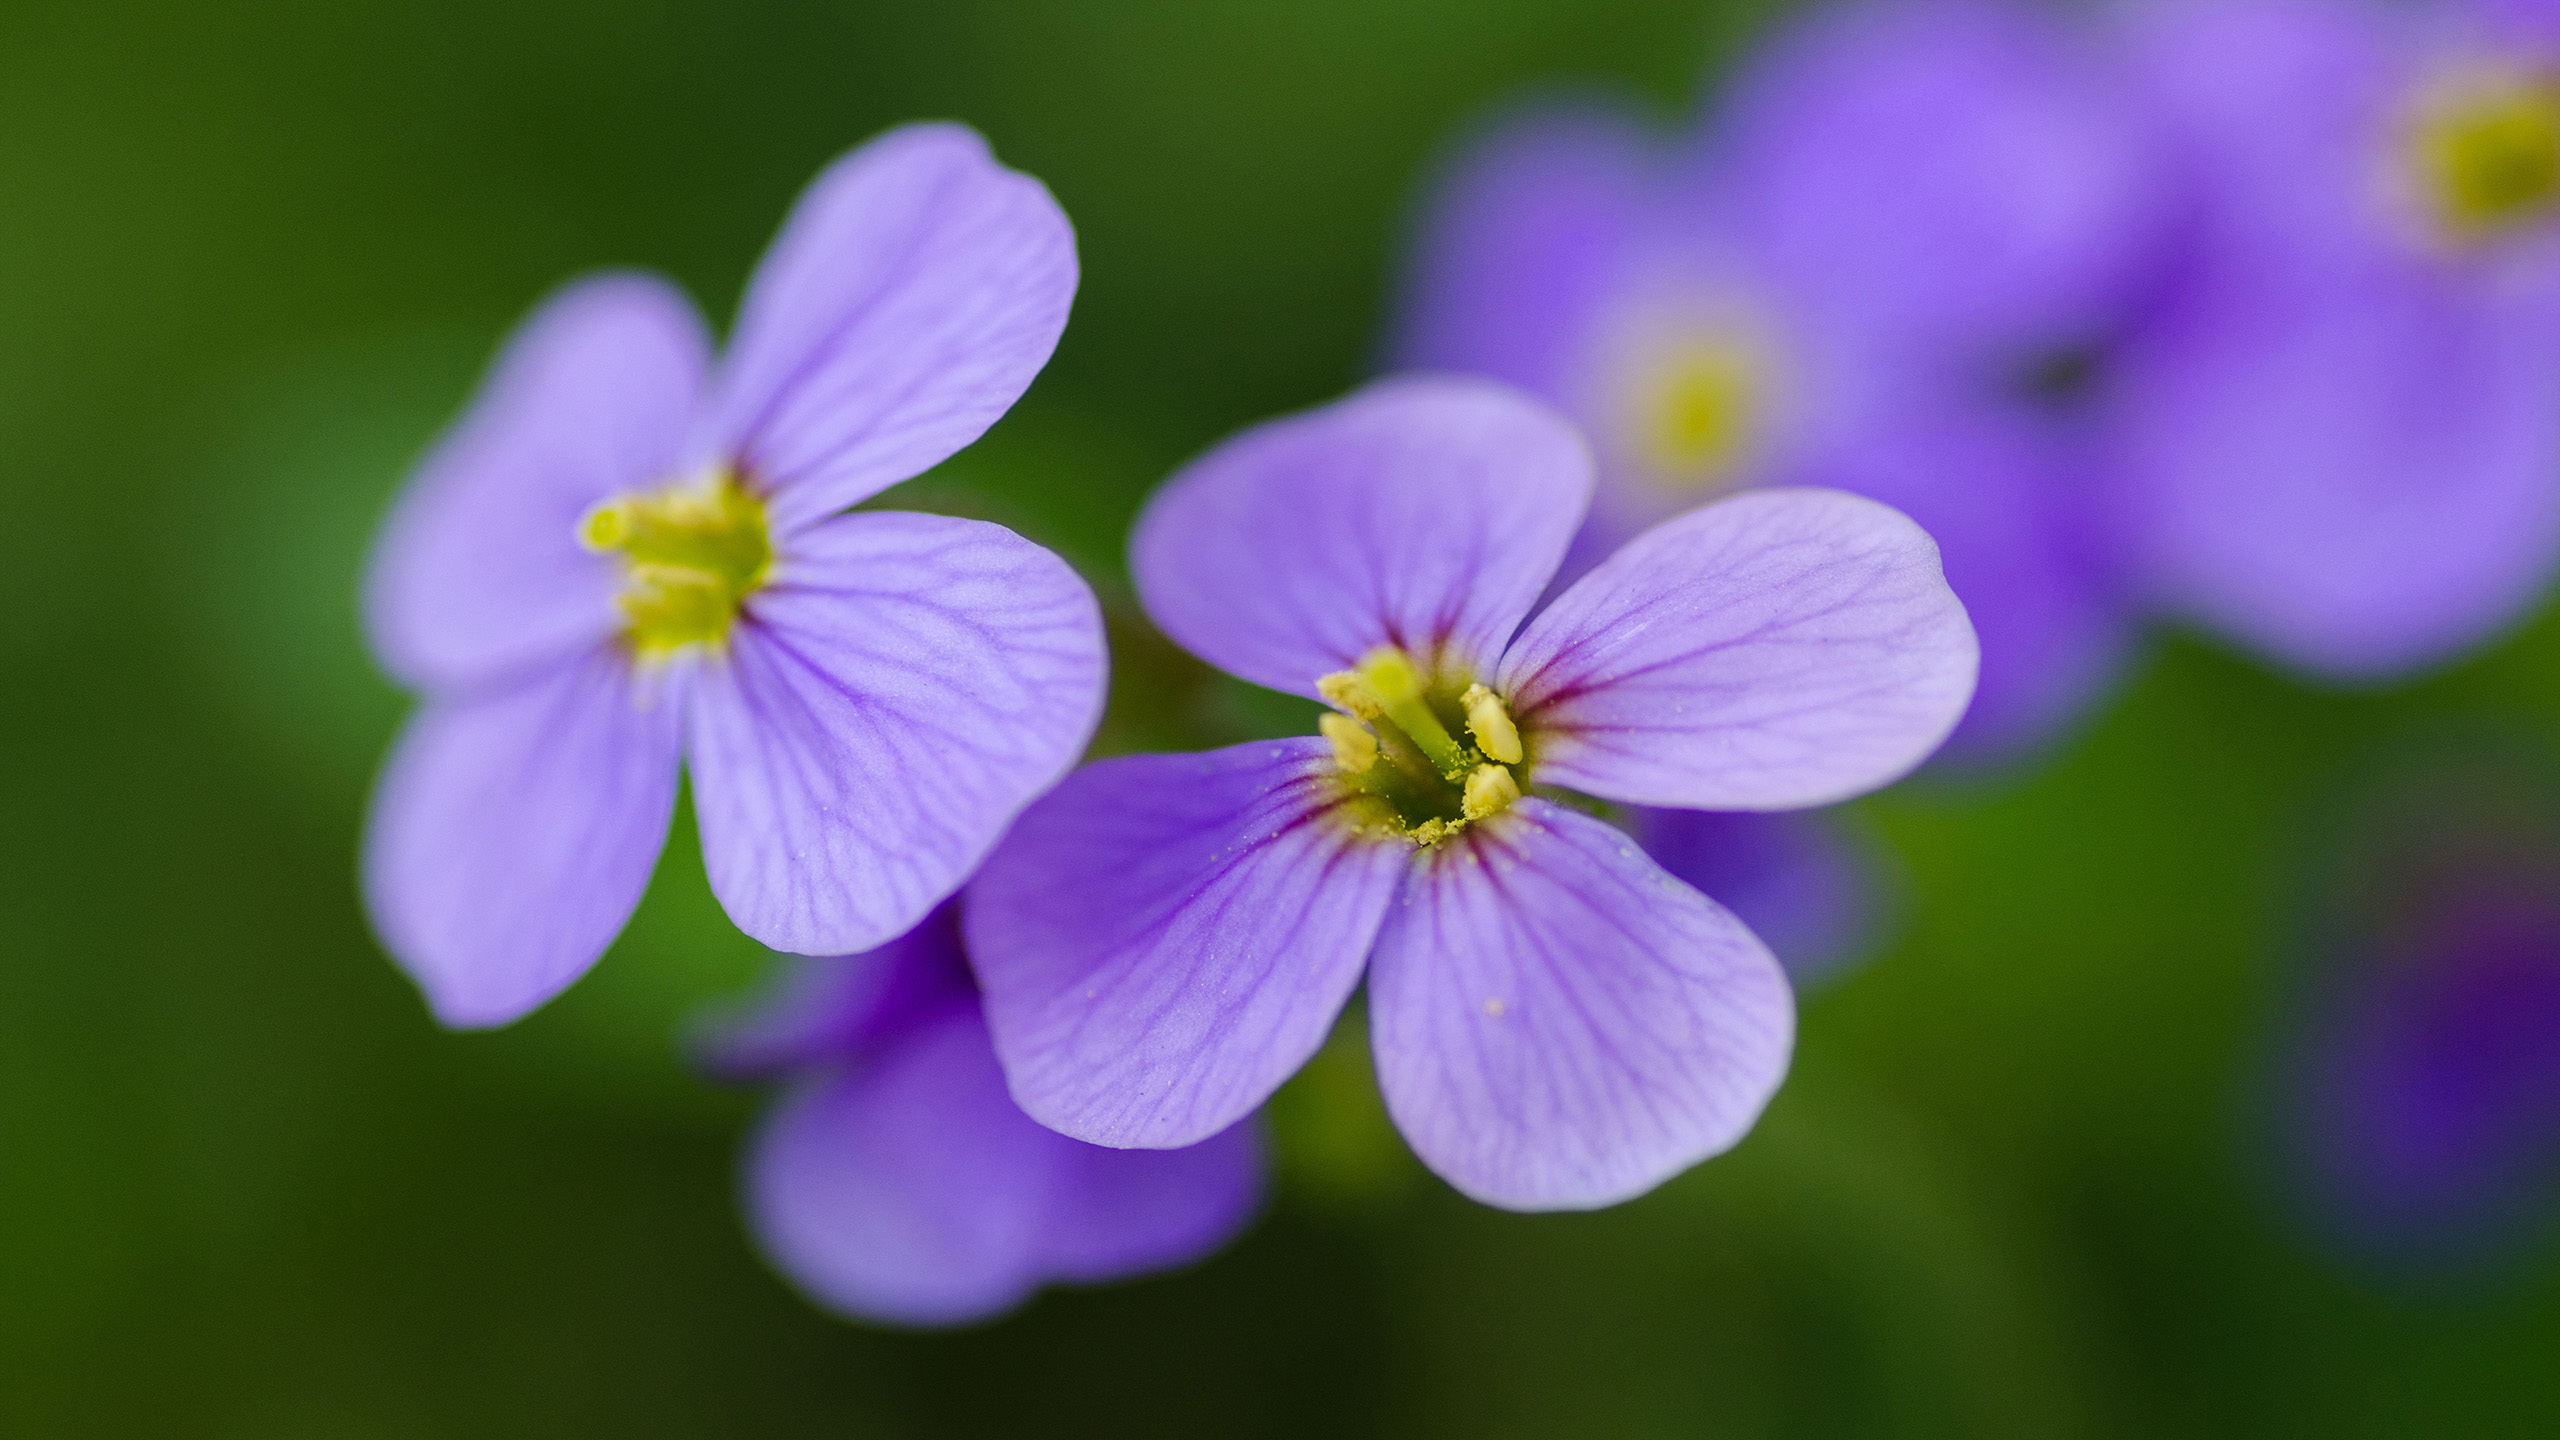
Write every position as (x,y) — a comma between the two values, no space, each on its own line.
(1397,751)
(2485,149)
(691,555)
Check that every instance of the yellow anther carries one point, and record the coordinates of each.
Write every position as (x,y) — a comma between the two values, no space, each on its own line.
(691,555)
(1490,791)
(1346,689)
(1392,678)
(1354,748)
(605,526)
(2487,149)
(1431,832)
(1490,723)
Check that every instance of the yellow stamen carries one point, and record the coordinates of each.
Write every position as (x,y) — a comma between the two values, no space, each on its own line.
(1392,678)
(1490,791)
(1490,723)
(691,556)
(1346,689)
(1355,749)
(2487,151)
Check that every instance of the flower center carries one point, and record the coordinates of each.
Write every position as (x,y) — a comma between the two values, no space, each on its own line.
(1695,408)
(2487,152)
(1398,752)
(691,555)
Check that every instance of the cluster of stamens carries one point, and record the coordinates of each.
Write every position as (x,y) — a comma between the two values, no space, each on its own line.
(1394,745)
(691,555)
(2486,149)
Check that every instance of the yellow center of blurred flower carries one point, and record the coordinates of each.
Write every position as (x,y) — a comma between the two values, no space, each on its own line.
(1695,407)
(2487,152)
(1398,752)
(691,554)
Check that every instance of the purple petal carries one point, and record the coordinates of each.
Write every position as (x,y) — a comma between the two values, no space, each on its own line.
(1794,879)
(1127,1212)
(2023,549)
(1422,512)
(1559,1025)
(837,1007)
(909,1190)
(1948,171)
(898,692)
(1773,651)
(2276,112)
(1163,939)
(512,834)
(479,571)
(1522,245)
(2530,23)
(913,294)
(2358,485)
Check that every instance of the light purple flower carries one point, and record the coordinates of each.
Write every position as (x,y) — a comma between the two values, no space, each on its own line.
(2339,437)
(624,558)
(1883,267)
(1557,1022)
(897,1182)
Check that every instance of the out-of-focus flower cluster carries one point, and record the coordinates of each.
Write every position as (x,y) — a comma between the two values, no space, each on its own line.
(2238,313)
(1738,470)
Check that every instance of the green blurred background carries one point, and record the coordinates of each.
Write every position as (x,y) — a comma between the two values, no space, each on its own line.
(252,255)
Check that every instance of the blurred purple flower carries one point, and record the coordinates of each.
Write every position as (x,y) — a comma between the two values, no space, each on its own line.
(1557,1023)
(622,558)
(2341,429)
(897,1182)
(1886,267)
(2421,1080)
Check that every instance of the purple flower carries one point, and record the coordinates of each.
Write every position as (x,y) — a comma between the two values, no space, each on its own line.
(2339,441)
(623,558)
(896,1181)
(1557,1023)
(2421,1079)
(1884,267)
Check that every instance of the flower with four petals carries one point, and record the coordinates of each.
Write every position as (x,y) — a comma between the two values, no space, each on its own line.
(1164,939)
(625,560)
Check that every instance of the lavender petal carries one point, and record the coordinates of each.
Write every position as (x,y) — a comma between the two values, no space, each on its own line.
(512,833)
(902,687)
(1163,939)
(913,294)
(908,1190)
(1422,512)
(1560,1025)
(1942,177)
(1776,650)
(2007,504)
